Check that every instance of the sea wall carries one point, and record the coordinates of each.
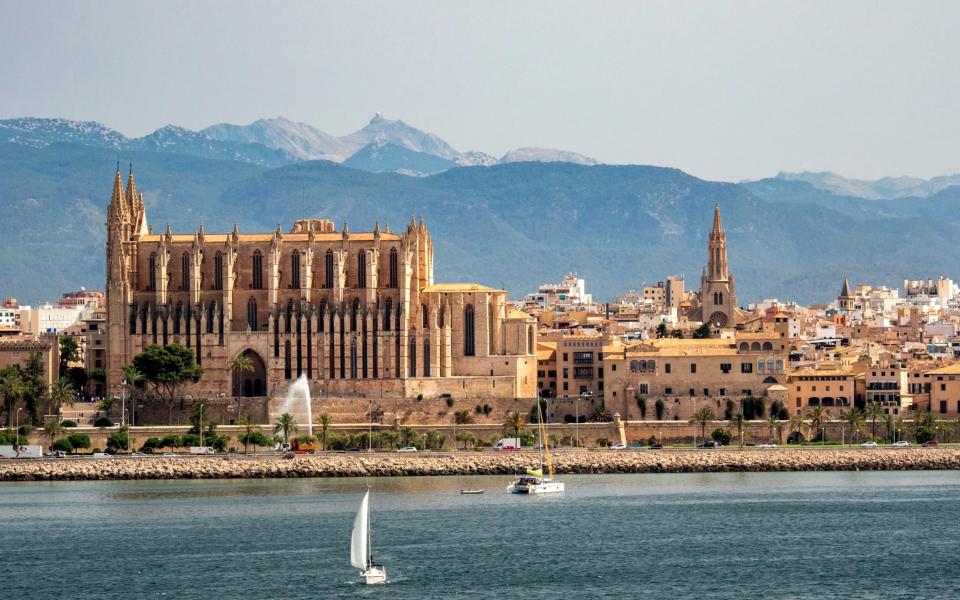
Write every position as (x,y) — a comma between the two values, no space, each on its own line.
(476,463)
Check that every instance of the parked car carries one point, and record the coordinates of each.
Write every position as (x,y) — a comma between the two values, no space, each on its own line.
(407,449)
(870,444)
(901,444)
(169,454)
(709,444)
(931,444)
(656,446)
(765,446)
(618,447)
(55,454)
(102,455)
(138,454)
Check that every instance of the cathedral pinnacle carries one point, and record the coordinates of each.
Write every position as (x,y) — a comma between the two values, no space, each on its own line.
(717,225)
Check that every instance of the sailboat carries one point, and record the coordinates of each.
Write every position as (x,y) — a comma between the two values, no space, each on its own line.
(361,551)
(533,482)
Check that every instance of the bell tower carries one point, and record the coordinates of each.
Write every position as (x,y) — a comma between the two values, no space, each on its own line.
(716,284)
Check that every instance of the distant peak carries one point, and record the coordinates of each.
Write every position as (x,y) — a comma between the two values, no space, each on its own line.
(377,118)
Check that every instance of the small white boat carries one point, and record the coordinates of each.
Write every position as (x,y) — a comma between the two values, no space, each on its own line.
(533,482)
(361,550)
(471,491)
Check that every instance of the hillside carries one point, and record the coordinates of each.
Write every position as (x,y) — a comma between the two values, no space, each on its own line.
(514,225)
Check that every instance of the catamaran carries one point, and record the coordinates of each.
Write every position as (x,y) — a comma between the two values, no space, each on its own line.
(533,482)
(361,551)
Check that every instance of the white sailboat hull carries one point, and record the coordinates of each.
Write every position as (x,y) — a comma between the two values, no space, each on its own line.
(374,575)
(544,487)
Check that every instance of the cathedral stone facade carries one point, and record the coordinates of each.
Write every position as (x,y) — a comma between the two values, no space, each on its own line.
(355,313)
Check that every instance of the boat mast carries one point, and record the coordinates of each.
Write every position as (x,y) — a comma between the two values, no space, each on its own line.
(546,444)
(369,543)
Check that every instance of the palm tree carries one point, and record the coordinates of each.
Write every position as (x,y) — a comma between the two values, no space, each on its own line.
(287,425)
(600,414)
(873,412)
(514,423)
(240,363)
(853,417)
(772,423)
(61,392)
(888,426)
(248,427)
(797,424)
(818,417)
(702,417)
(52,429)
(462,417)
(739,422)
(324,420)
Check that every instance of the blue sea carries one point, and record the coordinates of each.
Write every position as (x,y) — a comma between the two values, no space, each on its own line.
(659,536)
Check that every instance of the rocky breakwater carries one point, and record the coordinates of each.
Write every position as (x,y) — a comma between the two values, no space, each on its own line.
(476,463)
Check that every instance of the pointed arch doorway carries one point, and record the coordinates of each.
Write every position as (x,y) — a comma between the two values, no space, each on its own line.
(251,384)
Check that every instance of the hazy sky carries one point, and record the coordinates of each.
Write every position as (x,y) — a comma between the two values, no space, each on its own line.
(722,90)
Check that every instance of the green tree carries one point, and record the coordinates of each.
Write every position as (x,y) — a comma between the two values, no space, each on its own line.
(285,425)
(240,364)
(254,438)
(434,440)
(873,411)
(741,424)
(676,333)
(641,405)
(818,418)
(77,377)
(119,440)
(662,331)
(702,332)
(514,423)
(248,428)
(69,352)
(13,389)
(854,418)
(166,368)
(35,387)
(462,417)
(325,421)
(52,429)
(773,423)
(61,392)
(600,414)
(79,441)
(721,436)
(466,437)
(702,417)
(63,445)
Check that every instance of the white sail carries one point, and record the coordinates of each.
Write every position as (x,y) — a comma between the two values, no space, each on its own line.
(358,541)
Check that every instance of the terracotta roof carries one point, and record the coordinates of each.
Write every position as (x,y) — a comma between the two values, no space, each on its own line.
(953,369)
(517,314)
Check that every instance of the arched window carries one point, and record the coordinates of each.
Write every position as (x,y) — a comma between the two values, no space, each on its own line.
(288,326)
(133,319)
(287,361)
(353,359)
(218,271)
(442,317)
(770,365)
(394,270)
(425,313)
(322,313)
(185,272)
(413,357)
(720,294)
(177,316)
(152,267)
(211,312)
(755,347)
(490,348)
(715,298)
(634,366)
(257,270)
(767,346)
(779,365)
(386,314)
(530,347)
(328,269)
(295,269)
(362,269)
(426,358)
(354,311)
(468,331)
(252,314)
(761,366)
(744,347)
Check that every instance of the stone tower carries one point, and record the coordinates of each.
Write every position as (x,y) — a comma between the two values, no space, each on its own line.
(126,222)
(716,284)
(845,300)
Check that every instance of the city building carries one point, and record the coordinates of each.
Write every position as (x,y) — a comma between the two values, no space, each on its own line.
(353,312)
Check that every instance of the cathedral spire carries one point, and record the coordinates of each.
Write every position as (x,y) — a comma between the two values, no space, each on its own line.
(117,200)
(717,225)
(845,290)
(717,249)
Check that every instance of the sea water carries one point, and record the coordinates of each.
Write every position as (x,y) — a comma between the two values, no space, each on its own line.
(762,535)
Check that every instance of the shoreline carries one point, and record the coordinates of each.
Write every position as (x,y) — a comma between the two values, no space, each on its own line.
(475,463)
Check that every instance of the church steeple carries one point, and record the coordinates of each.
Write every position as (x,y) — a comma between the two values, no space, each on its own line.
(717,249)
(118,211)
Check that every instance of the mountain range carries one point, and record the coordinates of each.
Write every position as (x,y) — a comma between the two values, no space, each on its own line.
(504,223)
